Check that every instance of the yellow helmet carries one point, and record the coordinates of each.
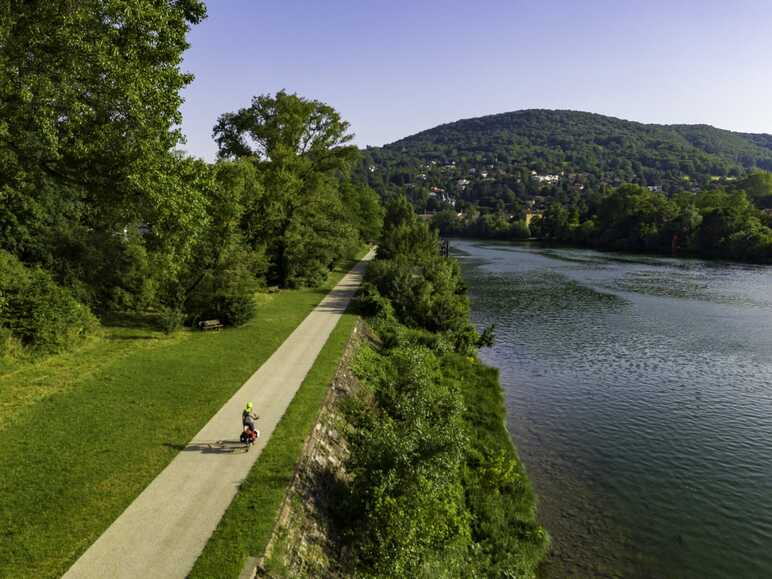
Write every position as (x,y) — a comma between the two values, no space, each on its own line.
(249,407)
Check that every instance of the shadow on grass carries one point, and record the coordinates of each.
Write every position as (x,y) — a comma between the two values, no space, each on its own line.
(121,337)
(215,447)
(142,320)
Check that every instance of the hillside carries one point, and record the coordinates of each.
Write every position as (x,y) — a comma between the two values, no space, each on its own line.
(524,154)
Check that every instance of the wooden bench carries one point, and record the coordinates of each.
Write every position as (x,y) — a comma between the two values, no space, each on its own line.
(210,325)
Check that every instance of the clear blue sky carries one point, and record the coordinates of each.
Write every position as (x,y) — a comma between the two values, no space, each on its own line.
(395,67)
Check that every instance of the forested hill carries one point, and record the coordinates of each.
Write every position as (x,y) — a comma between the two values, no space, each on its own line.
(543,152)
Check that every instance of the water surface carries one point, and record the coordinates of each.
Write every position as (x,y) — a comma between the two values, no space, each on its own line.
(639,393)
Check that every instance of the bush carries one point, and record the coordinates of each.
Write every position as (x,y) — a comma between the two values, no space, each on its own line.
(425,293)
(10,346)
(510,542)
(372,304)
(236,310)
(170,320)
(405,459)
(436,487)
(228,292)
(42,315)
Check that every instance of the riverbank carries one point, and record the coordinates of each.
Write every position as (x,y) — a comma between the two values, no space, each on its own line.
(317,534)
(430,492)
(411,471)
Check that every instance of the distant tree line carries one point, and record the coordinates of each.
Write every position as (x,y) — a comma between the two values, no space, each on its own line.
(721,223)
(713,223)
(99,210)
(470,221)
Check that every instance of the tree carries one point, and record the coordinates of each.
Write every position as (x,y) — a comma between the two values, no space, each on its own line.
(283,129)
(89,109)
(555,222)
(299,146)
(222,279)
(403,234)
(758,185)
(364,210)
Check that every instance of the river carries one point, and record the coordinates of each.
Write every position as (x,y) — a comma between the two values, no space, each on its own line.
(639,393)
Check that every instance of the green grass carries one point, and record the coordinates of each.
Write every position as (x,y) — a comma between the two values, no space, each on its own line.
(505,525)
(82,434)
(246,528)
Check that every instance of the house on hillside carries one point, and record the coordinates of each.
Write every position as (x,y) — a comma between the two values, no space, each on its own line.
(550,179)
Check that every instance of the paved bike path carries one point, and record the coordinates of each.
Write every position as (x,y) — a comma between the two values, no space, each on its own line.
(162,533)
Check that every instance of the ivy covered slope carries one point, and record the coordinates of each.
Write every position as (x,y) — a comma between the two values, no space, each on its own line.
(514,154)
(436,487)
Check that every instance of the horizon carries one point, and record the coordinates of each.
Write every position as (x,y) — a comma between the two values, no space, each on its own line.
(419,131)
(394,69)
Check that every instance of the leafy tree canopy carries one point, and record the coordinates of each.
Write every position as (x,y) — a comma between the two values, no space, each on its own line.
(285,127)
(300,148)
(510,158)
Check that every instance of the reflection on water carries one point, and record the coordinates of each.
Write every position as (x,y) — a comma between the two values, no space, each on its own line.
(640,394)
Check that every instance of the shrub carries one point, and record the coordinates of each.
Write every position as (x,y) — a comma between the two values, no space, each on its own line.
(405,459)
(425,293)
(42,315)
(170,320)
(436,487)
(10,345)
(236,310)
(373,304)
(227,293)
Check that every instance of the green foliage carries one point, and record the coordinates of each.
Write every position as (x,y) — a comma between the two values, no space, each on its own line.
(480,224)
(300,148)
(364,210)
(221,280)
(436,483)
(436,486)
(758,186)
(409,508)
(285,129)
(715,223)
(89,101)
(403,234)
(92,190)
(37,312)
(226,293)
(423,294)
(712,222)
(170,320)
(424,289)
(502,161)
(318,236)
(508,542)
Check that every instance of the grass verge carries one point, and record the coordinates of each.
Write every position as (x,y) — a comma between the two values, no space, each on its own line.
(246,527)
(82,434)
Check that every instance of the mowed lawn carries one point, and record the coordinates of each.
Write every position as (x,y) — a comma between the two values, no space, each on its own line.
(82,434)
